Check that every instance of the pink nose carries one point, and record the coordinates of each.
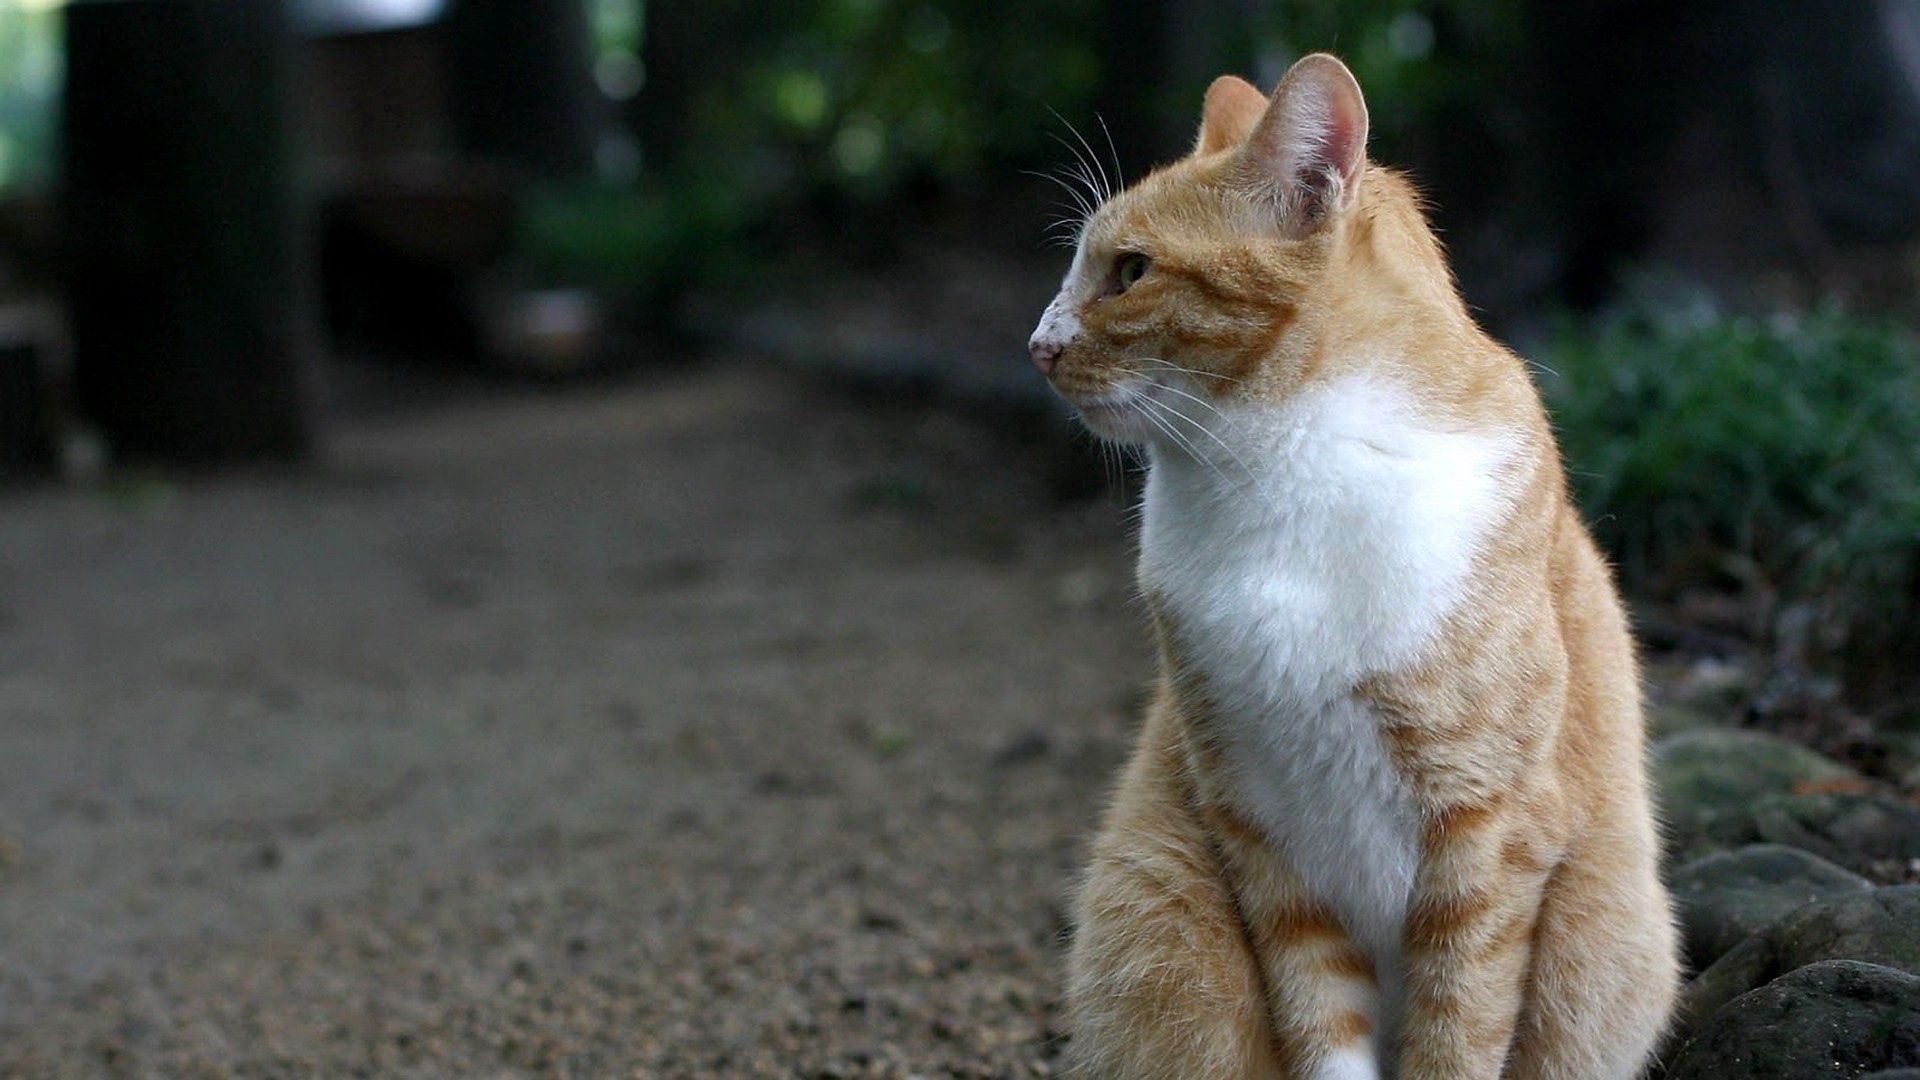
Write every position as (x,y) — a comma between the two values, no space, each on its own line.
(1045,354)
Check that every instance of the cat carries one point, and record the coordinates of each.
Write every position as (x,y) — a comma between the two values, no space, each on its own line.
(1388,813)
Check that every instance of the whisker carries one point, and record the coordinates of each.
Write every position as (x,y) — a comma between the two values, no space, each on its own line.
(1187,371)
(1085,181)
(1070,215)
(1185,444)
(1064,179)
(1155,413)
(1110,473)
(1202,402)
(1117,460)
(1204,430)
(1083,173)
(1065,232)
(1119,174)
(1105,184)
(1154,418)
(1075,211)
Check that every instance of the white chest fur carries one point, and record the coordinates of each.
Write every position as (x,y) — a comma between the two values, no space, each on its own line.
(1325,542)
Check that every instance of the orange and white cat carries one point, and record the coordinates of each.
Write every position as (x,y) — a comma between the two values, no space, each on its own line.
(1389,813)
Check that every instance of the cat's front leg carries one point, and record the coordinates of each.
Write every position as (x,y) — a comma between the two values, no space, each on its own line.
(1323,992)
(1469,940)
(1161,983)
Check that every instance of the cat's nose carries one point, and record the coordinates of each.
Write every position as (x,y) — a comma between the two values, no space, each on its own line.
(1058,326)
(1045,353)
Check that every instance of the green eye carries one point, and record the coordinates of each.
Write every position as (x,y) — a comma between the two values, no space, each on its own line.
(1132,268)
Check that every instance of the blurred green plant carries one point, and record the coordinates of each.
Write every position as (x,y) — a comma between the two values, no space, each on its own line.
(860,103)
(1779,453)
(837,100)
(633,238)
(30,59)
(1417,59)
(862,95)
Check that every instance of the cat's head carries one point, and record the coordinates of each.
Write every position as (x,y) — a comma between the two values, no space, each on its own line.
(1211,277)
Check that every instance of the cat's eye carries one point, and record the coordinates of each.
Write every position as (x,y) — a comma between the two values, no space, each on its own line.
(1131,268)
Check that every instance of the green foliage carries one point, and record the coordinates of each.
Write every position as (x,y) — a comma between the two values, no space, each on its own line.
(628,238)
(29,84)
(846,99)
(864,101)
(860,95)
(1417,59)
(1782,451)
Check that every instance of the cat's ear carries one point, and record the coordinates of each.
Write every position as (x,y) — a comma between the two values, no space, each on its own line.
(1309,150)
(1233,106)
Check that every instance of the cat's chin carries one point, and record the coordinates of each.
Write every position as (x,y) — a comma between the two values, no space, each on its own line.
(1116,417)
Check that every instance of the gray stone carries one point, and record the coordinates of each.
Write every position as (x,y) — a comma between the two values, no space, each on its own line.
(1881,926)
(1674,718)
(1903,757)
(1902,750)
(1853,830)
(1710,780)
(1727,896)
(1894,1074)
(1836,1018)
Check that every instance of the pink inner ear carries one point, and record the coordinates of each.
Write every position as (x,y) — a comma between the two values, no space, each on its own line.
(1334,144)
(1310,147)
(1345,136)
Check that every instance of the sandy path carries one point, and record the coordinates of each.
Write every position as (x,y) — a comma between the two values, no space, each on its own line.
(711,727)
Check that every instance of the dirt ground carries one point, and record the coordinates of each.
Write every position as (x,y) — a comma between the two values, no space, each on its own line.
(719,725)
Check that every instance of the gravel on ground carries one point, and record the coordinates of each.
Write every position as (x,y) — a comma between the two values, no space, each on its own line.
(715,725)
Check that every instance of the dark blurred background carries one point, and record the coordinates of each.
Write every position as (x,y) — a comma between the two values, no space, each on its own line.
(1709,208)
(270,251)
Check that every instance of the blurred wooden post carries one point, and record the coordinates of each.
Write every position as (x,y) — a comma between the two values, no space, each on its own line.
(522,82)
(683,51)
(1133,54)
(189,291)
(24,446)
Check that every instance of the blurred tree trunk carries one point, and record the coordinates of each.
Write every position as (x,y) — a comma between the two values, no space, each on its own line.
(1135,54)
(1671,128)
(522,83)
(24,448)
(189,290)
(693,50)
(662,113)
(1156,60)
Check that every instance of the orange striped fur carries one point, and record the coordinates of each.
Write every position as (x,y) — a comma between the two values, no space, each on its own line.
(1388,813)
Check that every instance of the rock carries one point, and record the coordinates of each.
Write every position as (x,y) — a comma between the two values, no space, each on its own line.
(1902,750)
(1710,779)
(1673,718)
(1881,926)
(1836,1018)
(1853,830)
(1024,747)
(1894,1074)
(1725,897)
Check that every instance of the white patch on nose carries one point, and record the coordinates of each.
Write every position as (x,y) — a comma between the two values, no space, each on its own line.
(1058,324)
